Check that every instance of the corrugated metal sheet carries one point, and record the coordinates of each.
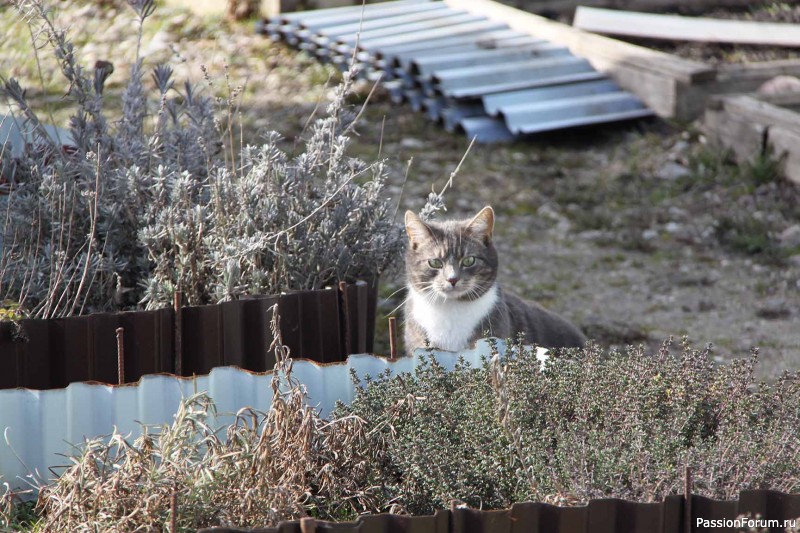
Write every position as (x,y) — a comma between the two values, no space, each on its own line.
(15,134)
(599,516)
(444,61)
(40,425)
(325,326)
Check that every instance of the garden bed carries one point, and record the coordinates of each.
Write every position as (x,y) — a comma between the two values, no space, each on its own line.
(485,429)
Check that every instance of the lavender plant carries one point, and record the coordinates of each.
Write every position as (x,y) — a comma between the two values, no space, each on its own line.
(158,201)
(72,217)
(276,222)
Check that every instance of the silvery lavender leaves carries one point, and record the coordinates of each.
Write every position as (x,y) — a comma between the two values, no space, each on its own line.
(153,203)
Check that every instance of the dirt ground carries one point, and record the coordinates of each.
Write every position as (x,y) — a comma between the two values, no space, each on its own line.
(636,232)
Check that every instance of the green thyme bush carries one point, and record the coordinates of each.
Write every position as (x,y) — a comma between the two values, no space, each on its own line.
(157,201)
(590,425)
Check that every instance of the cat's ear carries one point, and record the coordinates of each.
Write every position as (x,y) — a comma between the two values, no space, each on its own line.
(416,229)
(482,224)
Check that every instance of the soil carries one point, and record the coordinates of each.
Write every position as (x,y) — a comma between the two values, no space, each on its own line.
(636,232)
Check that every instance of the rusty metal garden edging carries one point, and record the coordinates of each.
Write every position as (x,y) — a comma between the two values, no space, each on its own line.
(324,325)
(599,516)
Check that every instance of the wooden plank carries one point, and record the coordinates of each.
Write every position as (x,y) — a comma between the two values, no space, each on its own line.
(679,28)
(748,77)
(330,326)
(666,83)
(731,130)
(57,353)
(356,321)
(142,344)
(362,298)
(770,504)
(749,126)
(785,143)
(755,110)
(561,7)
(790,100)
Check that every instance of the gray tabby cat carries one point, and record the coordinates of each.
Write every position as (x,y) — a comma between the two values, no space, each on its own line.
(453,295)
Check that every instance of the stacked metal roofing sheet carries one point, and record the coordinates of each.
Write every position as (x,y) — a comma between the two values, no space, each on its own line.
(468,72)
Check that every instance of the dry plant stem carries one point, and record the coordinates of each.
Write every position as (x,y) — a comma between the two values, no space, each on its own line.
(403,186)
(364,105)
(41,78)
(458,167)
(313,114)
(92,235)
(79,87)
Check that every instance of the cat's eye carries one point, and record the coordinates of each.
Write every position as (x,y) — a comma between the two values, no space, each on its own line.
(468,261)
(435,263)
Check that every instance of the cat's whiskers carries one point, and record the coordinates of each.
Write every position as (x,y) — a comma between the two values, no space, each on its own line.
(472,294)
(393,311)
(421,288)
(401,289)
(432,296)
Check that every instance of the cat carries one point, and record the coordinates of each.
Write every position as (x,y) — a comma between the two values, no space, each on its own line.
(453,295)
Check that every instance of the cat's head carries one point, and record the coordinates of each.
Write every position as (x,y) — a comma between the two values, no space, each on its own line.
(451,259)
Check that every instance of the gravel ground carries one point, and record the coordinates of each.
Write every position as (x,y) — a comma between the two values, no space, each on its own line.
(635,232)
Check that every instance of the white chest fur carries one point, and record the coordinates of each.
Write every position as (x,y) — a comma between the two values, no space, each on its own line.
(449,325)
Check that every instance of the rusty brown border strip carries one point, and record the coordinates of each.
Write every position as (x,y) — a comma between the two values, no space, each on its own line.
(599,516)
(48,354)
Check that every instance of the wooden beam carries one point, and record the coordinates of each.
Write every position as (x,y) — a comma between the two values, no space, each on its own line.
(568,6)
(678,28)
(748,77)
(750,126)
(667,84)
(789,100)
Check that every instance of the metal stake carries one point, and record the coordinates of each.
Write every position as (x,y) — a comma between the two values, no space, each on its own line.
(393,337)
(120,356)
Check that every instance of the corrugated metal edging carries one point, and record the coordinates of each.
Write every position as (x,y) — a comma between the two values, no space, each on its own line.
(40,425)
(599,516)
(383,523)
(446,61)
(325,326)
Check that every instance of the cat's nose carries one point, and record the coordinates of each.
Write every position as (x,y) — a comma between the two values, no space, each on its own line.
(453,280)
